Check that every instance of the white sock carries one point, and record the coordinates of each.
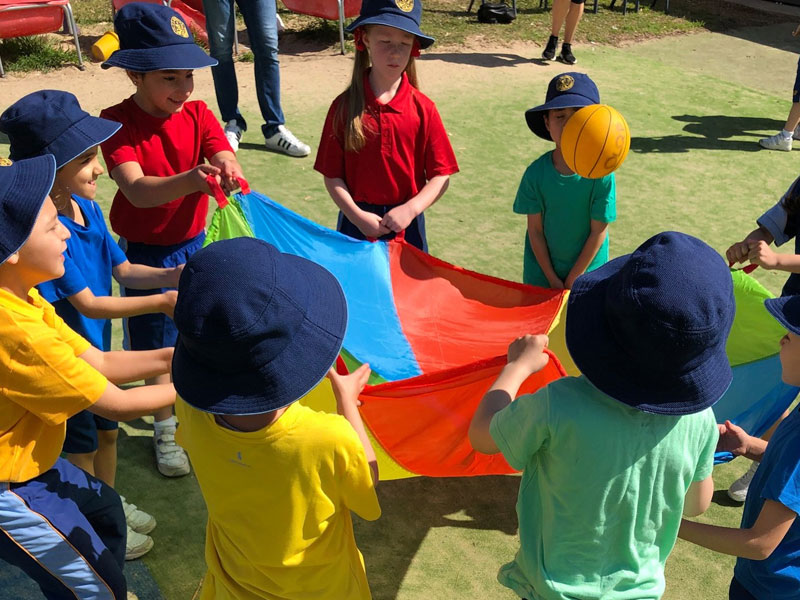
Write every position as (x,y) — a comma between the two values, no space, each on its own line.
(170,422)
(786,134)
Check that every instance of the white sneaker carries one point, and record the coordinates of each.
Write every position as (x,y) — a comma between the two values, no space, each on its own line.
(738,489)
(137,545)
(233,133)
(132,596)
(170,458)
(776,142)
(284,141)
(281,26)
(138,520)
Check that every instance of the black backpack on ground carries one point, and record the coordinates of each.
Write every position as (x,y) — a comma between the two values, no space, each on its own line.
(496,12)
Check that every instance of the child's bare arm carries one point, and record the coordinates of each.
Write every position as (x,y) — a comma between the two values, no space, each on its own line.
(125,367)
(698,497)
(738,442)
(755,543)
(369,224)
(597,236)
(114,307)
(143,277)
(147,191)
(346,389)
(739,252)
(123,405)
(763,255)
(401,216)
(539,246)
(525,356)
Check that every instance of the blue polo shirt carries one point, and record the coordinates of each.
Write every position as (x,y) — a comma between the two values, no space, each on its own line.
(778,479)
(91,254)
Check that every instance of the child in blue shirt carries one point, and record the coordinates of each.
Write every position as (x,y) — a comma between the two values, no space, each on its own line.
(768,542)
(52,122)
(611,459)
(568,215)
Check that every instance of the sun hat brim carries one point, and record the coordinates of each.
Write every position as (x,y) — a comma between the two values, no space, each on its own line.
(392,19)
(81,135)
(535,116)
(32,181)
(604,360)
(288,377)
(777,308)
(164,58)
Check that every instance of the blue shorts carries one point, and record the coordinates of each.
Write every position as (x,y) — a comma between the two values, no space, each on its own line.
(156,330)
(738,592)
(66,530)
(82,432)
(415,232)
(796,91)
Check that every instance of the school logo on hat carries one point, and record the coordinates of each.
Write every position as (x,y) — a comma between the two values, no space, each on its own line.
(6,162)
(405,5)
(564,83)
(178,27)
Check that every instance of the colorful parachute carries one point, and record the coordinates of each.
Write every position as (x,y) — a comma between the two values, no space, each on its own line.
(435,336)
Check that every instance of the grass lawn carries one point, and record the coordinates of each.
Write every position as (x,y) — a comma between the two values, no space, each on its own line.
(696,106)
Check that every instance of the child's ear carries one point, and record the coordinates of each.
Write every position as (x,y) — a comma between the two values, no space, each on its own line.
(546,117)
(12,259)
(135,77)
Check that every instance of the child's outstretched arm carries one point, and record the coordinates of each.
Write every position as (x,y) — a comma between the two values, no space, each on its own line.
(539,246)
(230,171)
(740,251)
(346,389)
(401,216)
(525,356)
(114,307)
(123,405)
(143,277)
(147,191)
(369,224)
(127,366)
(597,236)
(756,543)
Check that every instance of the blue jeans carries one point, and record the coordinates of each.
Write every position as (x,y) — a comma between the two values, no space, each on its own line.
(260,18)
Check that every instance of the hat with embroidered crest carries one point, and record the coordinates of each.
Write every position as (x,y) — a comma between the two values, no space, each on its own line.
(400,14)
(567,90)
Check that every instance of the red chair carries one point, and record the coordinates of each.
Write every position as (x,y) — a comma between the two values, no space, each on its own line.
(327,9)
(21,18)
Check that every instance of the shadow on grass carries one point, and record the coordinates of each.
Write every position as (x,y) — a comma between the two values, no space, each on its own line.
(412,507)
(477,59)
(713,132)
(721,498)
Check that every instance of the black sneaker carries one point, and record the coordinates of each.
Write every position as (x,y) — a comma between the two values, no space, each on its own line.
(566,55)
(550,50)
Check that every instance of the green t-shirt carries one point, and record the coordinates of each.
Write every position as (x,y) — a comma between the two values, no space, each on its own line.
(602,490)
(567,203)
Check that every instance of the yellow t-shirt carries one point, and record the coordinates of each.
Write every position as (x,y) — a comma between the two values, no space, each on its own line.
(42,384)
(279,502)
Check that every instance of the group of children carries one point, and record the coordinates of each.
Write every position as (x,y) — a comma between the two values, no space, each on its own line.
(250,331)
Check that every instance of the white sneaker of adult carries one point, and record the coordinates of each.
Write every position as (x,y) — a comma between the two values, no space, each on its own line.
(233,133)
(285,141)
(171,459)
(776,142)
(738,489)
(137,545)
(137,519)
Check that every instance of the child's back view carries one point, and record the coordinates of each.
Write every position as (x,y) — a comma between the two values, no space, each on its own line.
(612,458)
(258,330)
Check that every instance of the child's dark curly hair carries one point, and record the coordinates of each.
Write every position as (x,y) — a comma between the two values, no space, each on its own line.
(791,202)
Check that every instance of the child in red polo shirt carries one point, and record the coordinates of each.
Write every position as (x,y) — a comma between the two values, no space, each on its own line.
(384,151)
(160,160)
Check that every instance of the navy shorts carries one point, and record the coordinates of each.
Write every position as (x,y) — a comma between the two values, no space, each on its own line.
(738,592)
(415,232)
(66,530)
(156,330)
(578,1)
(796,91)
(82,432)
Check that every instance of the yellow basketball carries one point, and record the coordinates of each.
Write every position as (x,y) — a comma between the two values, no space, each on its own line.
(595,141)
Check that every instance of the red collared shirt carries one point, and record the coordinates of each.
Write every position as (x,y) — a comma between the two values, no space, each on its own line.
(162,147)
(406,146)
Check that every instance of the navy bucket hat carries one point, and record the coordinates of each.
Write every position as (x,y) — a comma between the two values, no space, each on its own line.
(786,310)
(400,14)
(649,328)
(568,90)
(52,122)
(258,329)
(153,37)
(24,186)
